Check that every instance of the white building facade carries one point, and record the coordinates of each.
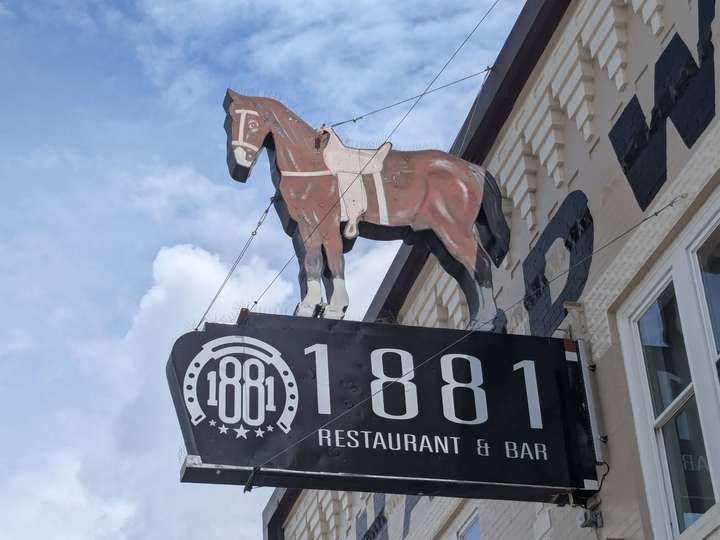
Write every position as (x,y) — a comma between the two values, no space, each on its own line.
(599,123)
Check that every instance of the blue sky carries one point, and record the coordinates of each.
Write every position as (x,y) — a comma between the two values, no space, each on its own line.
(119,221)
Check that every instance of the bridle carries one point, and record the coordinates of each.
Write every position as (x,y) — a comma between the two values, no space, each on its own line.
(241,142)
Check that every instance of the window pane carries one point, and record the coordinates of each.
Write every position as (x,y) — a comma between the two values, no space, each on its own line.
(709,256)
(472,532)
(664,350)
(687,462)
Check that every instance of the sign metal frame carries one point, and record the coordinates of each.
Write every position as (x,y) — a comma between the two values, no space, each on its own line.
(310,465)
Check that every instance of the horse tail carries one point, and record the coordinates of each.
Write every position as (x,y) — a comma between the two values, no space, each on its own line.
(491,225)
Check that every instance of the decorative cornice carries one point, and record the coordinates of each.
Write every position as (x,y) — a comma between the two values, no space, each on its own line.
(604,33)
(651,12)
(545,133)
(517,173)
(573,85)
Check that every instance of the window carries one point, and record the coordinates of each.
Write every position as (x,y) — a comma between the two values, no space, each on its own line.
(709,260)
(664,351)
(675,411)
(670,337)
(471,531)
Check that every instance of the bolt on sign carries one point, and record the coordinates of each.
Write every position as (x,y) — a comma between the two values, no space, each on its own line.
(330,404)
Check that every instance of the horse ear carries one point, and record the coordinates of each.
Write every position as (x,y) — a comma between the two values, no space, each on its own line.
(228,100)
(321,140)
(230,96)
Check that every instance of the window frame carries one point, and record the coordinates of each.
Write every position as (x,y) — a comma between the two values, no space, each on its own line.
(679,266)
(465,527)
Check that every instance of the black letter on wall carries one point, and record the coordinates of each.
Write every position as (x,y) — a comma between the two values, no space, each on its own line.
(574,224)
(684,93)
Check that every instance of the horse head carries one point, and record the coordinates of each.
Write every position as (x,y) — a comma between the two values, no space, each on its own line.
(246,128)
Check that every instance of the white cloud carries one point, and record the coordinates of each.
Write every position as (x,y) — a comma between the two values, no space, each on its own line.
(80,15)
(14,341)
(182,196)
(343,56)
(48,499)
(157,56)
(117,474)
(172,192)
(5,11)
(179,17)
(49,156)
(188,87)
(94,453)
(185,279)
(215,214)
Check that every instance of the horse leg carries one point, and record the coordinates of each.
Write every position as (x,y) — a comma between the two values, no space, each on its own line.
(490,317)
(327,281)
(464,279)
(337,292)
(474,275)
(309,254)
(300,255)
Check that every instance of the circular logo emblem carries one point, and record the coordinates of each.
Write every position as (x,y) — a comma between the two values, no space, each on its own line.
(243,386)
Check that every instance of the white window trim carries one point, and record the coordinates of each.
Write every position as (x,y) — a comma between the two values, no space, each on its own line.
(468,523)
(677,265)
(700,309)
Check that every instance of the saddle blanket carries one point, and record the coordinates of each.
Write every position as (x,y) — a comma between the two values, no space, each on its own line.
(348,165)
(353,195)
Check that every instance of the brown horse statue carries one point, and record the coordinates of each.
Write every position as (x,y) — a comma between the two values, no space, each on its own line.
(329,194)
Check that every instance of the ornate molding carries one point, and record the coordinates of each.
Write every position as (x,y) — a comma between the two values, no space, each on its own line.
(539,139)
(518,175)
(604,33)
(565,90)
(651,12)
(331,512)
(573,85)
(545,135)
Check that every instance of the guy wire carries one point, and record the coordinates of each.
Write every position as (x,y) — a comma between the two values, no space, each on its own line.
(472,330)
(355,119)
(389,136)
(237,260)
(417,99)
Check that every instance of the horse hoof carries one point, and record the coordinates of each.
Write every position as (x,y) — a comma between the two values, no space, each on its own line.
(351,231)
(305,310)
(333,313)
(500,323)
(477,325)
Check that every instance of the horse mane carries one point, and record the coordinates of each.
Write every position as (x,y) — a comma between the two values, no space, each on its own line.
(275,110)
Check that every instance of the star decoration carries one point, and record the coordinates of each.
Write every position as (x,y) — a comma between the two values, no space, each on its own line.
(259,432)
(223,429)
(270,428)
(213,423)
(241,432)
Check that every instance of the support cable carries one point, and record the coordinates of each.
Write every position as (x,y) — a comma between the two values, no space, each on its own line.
(237,260)
(389,136)
(417,98)
(355,119)
(470,331)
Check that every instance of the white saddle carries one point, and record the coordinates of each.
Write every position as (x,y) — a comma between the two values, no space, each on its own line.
(347,163)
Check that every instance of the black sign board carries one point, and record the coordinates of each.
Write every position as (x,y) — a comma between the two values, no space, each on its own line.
(317,403)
